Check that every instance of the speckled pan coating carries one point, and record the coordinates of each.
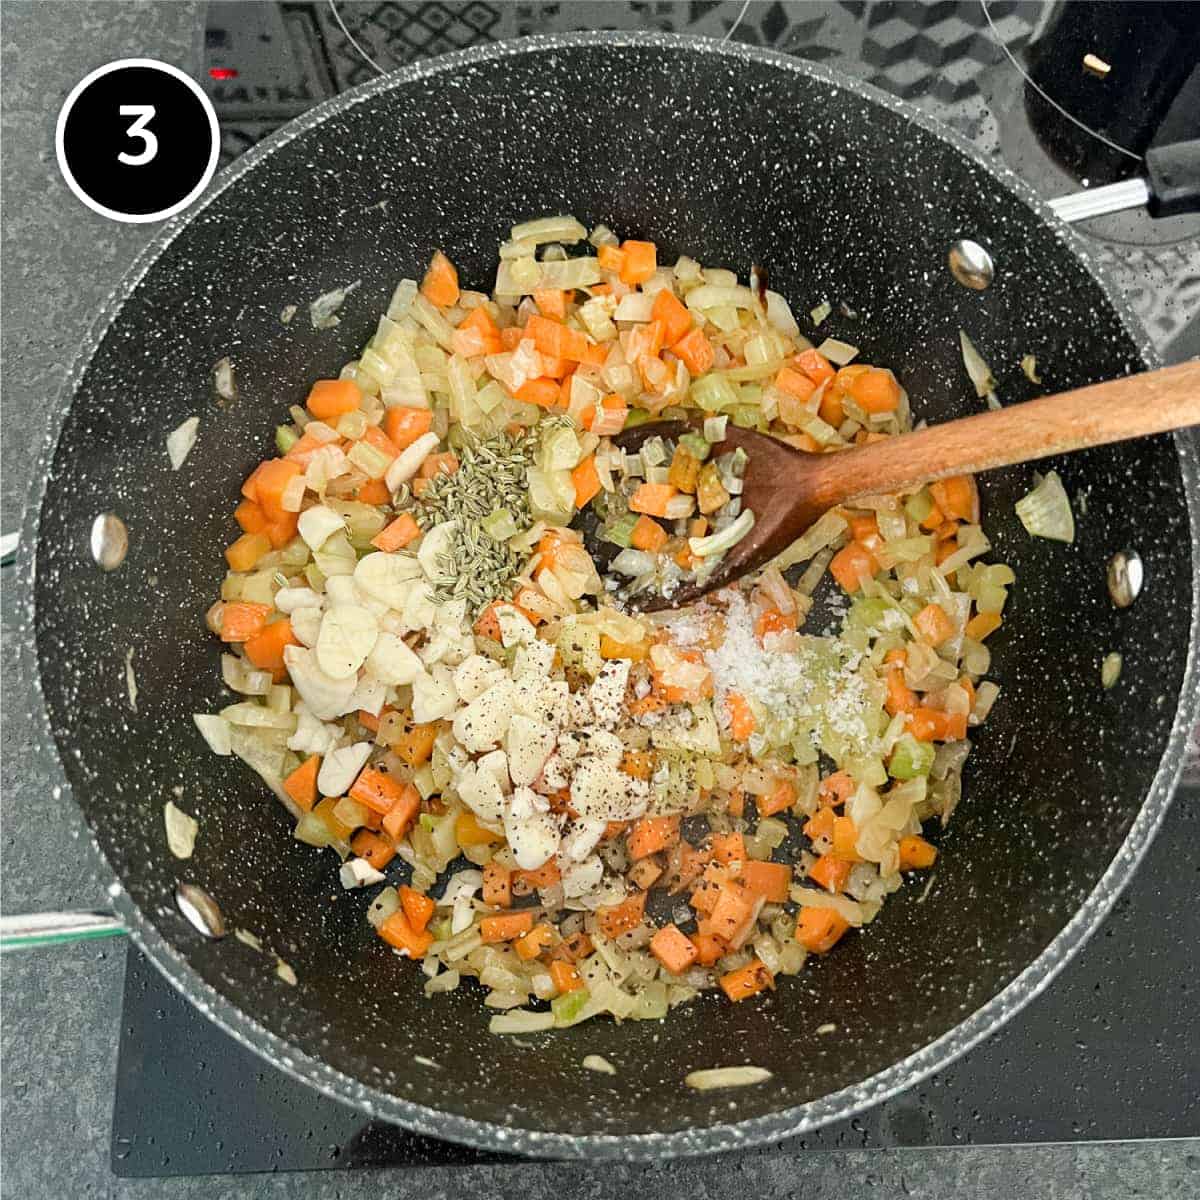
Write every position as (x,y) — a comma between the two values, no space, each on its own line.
(735,155)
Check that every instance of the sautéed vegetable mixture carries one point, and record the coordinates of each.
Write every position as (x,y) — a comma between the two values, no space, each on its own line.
(588,810)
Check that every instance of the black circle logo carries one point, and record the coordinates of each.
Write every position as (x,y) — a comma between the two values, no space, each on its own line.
(137,140)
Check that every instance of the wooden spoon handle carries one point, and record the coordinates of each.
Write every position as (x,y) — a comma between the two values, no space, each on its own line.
(1134,406)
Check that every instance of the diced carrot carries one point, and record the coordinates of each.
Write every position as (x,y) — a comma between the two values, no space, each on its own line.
(415,743)
(504,927)
(844,838)
(586,479)
(733,913)
(331,398)
(652,498)
(983,624)
(770,880)
(684,473)
(250,516)
(399,818)
(925,724)
(551,302)
(933,624)
(645,341)
(476,334)
(741,716)
(780,798)
(247,550)
(864,528)
(525,883)
(555,340)
(610,258)
(273,479)
(954,727)
(737,802)
(770,621)
(794,383)
(470,832)
(851,565)
(280,532)
(820,824)
(378,851)
(648,535)
(709,948)
(695,351)
(376,438)
(497,885)
(265,650)
(527,601)
(707,891)
(957,497)
(673,315)
(377,790)
(542,392)
(639,261)
(933,518)
(837,788)
(537,940)
(398,932)
(831,873)
(417,907)
(673,948)
(900,697)
(240,621)
(816,366)
(374,491)
(440,285)
(916,853)
(250,487)
(367,720)
(747,981)
(652,834)
(398,534)
(818,929)
(511,337)
(301,784)
(728,848)
(875,391)
(404,425)
(617,919)
(565,976)
(611,648)
(638,763)
(831,410)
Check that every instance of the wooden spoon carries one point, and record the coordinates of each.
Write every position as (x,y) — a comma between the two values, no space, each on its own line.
(788,489)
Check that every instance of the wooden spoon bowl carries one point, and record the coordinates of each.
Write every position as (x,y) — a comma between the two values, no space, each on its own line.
(789,489)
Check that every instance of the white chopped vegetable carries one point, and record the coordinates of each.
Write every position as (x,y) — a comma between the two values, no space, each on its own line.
(326,696)
(779,315)
(131,687)
(249,939)
(357,873)
(347,637)
(718,543)
(340,768)
(181,830)
(822,311)
(726,1077)
(223,382)
(408,462)
(387,578)
(433,695)
(978,371)
(318,524)
(288,599)
(1046,511)
(285,972)
(1029,366)
(838,352)
(216,731)
(521,1020)
(321,311)
(181,440)
(597,1062)
(1110,669)
(392,661)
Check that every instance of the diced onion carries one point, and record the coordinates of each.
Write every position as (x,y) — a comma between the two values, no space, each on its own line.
(1110,670)
(181,830)
(979,372)
(726,1077)
(180,442)
(1046,511)
(838,352)
(216,731)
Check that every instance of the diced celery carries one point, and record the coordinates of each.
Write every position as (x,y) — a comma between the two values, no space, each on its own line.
(315,577)
(500,525)
(911,758)
(423,781)
(713,393)
(919,505)
(568,1006)
(428,821)
(867,613)
(620,532)
(285,438)
(745,416)
(695,445)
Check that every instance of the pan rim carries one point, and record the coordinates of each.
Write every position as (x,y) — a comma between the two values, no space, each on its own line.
(784,1123)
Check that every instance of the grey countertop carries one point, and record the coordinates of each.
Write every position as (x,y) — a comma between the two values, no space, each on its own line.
(61,1008)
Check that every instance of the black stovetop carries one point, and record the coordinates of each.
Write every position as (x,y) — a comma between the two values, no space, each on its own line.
(1111,1050)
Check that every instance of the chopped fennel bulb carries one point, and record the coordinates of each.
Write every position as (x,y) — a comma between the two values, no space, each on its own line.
(1046,511)
(979,372)
(837,351)
(180,442)
(718,543)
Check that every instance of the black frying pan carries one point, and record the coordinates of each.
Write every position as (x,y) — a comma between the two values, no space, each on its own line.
(737,156)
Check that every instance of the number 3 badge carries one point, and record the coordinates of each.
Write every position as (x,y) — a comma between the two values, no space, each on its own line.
(137,140)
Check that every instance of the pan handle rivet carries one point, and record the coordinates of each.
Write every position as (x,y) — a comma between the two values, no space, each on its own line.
(109,541)
(1125,577)
(971,264)
(200,909)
